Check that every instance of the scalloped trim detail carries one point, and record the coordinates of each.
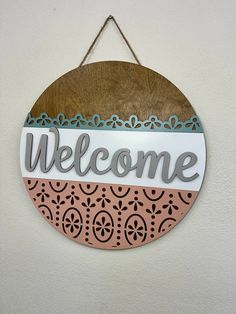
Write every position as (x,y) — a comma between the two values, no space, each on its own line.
(152,124)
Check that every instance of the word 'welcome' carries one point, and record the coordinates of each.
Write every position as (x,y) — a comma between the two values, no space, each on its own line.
(121,162)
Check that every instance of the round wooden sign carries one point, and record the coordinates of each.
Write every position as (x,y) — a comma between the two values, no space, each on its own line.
(112,155)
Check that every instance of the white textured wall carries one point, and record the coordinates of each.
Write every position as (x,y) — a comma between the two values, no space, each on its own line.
(191,269)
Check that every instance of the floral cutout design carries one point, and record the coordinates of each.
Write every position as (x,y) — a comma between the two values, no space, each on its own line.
(103,200)
(153,211)
(126,220)
(170,206)
(135,230)
(78,121)
(43,194)
(135,203)
(193,124)
(60,120)
(120,207)
(114,122)
(58,202)
(89,204)
(72,197)
(152,124)
(173,123)
(133,123)
(43,119)
(103,227)
(96,121)
(72,223)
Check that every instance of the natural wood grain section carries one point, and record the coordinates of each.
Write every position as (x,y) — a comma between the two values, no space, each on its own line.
(113,87)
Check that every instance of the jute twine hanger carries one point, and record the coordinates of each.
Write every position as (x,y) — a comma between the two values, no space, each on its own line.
(110,18)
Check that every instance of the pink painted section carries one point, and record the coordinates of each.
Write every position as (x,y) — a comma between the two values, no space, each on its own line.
(109,216)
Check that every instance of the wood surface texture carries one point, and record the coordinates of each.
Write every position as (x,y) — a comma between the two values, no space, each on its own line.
(113,87)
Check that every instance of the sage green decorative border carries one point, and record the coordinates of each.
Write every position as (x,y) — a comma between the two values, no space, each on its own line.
(152,124)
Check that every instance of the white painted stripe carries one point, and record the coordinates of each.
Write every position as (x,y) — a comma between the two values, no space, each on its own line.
(174,143)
